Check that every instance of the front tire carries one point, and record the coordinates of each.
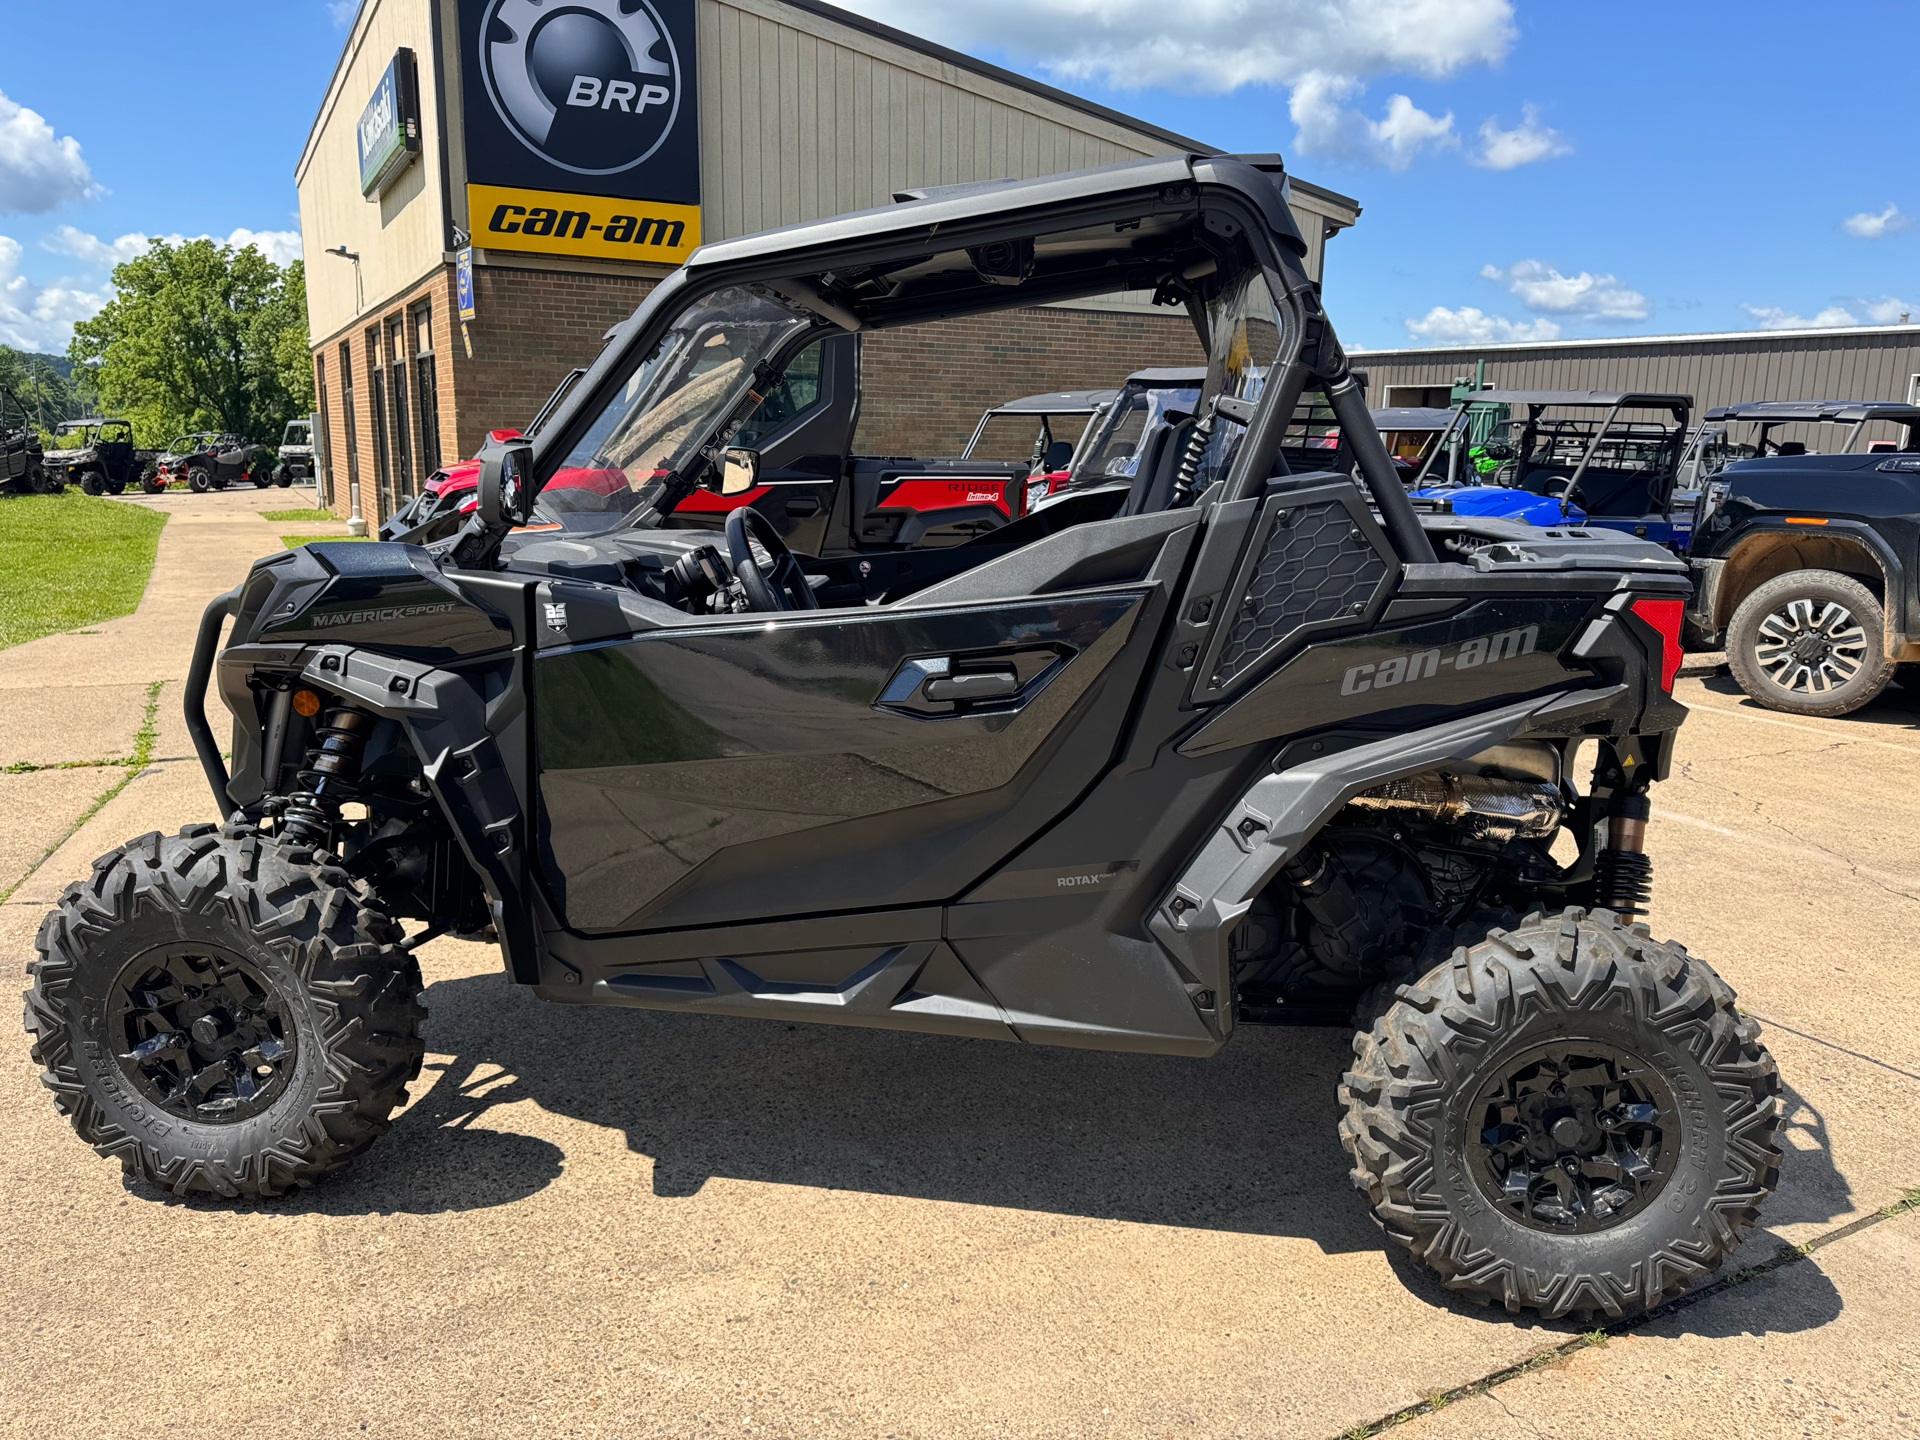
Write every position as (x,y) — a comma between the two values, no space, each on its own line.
(220,1015)
(91,482)
(1809,643)
(1569,1116)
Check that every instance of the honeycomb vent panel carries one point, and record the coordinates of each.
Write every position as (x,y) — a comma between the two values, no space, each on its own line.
(1314,567)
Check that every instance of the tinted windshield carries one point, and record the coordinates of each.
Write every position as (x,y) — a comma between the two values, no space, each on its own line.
(667,415)
(1127,432)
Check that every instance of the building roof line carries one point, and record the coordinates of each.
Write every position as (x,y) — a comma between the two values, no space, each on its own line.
(1702,337)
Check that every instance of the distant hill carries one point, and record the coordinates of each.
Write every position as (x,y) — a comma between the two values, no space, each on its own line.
(59,364)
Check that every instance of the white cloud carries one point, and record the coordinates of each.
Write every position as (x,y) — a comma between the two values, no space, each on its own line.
(1869,226)
(38,172)
(1888,310)
(39,318)
(343,11)
(279,246)
(1323,52)
(1330,127)
(1585,296)
(1525,143)
(71,240)
(1471,326)
(1772,317)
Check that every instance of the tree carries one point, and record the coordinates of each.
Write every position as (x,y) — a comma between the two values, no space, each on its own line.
(201,336)
(44,395)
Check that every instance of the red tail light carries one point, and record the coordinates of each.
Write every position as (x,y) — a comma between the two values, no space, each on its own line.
(1664,616)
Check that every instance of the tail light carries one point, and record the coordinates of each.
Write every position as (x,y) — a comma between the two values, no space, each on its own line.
(1664,617)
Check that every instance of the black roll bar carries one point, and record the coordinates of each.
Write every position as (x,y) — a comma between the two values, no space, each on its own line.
(206,644)
(1376,467)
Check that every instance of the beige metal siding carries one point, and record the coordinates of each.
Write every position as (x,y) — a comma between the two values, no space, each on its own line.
(1875,363)
(799,120)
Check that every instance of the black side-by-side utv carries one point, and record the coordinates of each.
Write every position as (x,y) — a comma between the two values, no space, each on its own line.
(1125,774)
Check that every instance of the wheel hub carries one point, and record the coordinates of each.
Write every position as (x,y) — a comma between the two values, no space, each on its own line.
(1811,646)
(1573,1136)
(201,1033)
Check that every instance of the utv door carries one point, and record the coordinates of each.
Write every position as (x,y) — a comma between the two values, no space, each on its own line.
(767,765)
(230,461)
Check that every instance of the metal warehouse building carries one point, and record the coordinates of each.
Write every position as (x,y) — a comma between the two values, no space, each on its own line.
(1878,362)
(490,184)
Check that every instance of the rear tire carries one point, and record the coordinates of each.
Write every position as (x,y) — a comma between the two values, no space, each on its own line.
(1634,1179)
(220,1015)
(1809,643)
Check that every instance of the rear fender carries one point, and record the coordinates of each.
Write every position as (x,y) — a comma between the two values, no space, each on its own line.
(1281,812)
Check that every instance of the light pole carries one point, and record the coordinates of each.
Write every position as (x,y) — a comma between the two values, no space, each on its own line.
(356,523)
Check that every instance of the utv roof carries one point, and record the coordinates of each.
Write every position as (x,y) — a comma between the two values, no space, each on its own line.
(1169,377)
(1842,412)
(1412,417)
(927,210)
(1592,399)
(1055,402)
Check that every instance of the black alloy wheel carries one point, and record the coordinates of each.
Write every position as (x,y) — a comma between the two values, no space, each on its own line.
(1575,1136)
(201,1032)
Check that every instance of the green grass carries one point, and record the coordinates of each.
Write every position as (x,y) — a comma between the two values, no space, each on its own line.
(293,541)
(298,515)
(71,560)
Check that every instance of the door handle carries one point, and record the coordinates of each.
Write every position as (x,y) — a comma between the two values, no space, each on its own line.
(972,685)
(806,505)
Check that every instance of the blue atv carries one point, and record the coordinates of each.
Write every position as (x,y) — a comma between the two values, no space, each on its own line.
(1566,458)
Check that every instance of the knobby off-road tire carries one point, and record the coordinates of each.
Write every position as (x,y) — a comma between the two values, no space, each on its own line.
(200,480)
(1584,998)
(1809,642)
(92,482)
(224,938)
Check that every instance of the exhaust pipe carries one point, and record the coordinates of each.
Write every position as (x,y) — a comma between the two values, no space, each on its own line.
(1483,807)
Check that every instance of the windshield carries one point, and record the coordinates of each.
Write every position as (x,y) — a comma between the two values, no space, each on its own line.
(668,413)
(1247,342)
(1127,431)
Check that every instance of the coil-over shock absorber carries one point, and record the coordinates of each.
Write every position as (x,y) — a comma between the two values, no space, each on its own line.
(329,778)
(1188,475)
(1622,870)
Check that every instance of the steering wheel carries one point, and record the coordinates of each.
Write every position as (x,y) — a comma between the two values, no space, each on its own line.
(782,584)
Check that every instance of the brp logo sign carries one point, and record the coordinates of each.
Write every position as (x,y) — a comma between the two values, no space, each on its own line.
(591,86)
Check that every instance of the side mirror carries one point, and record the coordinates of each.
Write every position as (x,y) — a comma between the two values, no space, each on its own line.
(739,471)
(506,496)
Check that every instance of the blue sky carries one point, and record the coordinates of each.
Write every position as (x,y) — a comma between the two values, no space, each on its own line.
(1551,170)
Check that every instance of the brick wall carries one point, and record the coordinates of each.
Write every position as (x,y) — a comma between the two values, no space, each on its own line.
(923,387)
(530,328)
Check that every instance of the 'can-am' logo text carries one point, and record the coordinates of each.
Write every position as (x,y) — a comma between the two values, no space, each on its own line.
(1424,664)
(390,612)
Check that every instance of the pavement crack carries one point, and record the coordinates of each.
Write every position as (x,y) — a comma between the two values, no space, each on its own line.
(1518,1419)
(1786,1255)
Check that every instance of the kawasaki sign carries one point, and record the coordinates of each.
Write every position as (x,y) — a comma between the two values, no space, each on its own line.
(582,127)
(388,136)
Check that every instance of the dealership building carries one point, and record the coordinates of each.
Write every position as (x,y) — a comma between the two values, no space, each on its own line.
(489,185)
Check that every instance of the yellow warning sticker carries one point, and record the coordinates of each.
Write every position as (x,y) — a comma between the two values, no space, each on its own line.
(588,226)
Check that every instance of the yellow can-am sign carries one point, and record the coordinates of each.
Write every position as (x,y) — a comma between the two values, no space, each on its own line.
(586,226)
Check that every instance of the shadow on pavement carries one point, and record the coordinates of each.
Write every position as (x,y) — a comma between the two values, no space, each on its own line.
(1245,1142)
(1898,706)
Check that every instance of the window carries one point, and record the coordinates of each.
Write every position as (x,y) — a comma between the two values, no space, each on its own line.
(377,423)
(799,387)
(323,442)
(398,397)
(346,412)
(426,414)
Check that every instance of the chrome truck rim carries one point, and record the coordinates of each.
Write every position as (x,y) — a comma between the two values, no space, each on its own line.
(1811,647)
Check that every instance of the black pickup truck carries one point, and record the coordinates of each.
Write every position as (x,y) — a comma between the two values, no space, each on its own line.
(1805,560)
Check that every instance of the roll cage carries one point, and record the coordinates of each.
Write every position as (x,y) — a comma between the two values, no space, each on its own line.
(1190,229)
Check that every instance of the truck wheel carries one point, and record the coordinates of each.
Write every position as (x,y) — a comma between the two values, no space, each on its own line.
(200,480)
(1569,1116)
(1808,642)
(220,1015)
(91,482)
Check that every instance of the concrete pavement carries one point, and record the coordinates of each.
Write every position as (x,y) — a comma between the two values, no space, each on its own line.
(624,1223)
